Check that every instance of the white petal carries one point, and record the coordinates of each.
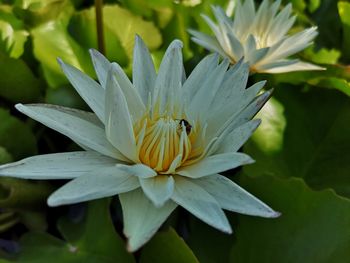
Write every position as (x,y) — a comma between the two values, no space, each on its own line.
(101,65)
(219,116)
(119,126)
(243,116)
(208,42)
(235,140)
(291,45)
(215,164)
(87,88)
(228,99)
(198,76)
(169,79)
(141,218)
(257,55)
(95,184)
(297,66)
(243,17)
(237,51)
(138,170)
(56,166)
(133,99)
(200,203)
(158,189)
(82,127)
(232,197)
(200,103)
(144,74)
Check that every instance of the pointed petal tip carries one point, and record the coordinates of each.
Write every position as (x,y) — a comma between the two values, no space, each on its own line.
(19,106)
(176,44)
(52,202)
(276,214)
(60,61)
(131,248)
(94,52)
(139,40)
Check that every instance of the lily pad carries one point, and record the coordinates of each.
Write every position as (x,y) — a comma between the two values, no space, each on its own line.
(167,247)
(313,145)
(313,227)
(90,241)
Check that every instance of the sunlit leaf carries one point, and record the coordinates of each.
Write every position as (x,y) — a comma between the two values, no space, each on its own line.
(12,31)
(120,27)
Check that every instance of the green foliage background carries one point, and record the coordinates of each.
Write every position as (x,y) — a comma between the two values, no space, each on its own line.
(302,148)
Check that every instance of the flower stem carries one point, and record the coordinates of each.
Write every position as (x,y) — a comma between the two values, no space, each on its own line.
(99,26)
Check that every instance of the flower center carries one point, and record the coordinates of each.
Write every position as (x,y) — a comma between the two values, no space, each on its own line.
(165,143)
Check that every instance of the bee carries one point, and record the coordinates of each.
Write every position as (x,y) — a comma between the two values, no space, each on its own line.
(187,125)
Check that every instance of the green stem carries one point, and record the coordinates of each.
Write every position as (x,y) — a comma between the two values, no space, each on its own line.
(99,26)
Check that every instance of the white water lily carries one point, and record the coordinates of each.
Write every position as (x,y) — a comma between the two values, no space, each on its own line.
(258,36)
(159,141)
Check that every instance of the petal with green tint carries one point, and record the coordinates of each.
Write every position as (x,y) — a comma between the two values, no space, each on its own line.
(234,198)
(201,101)
(82,127)
(119,125)
(207,41)
(88,89)
(158,189)
(242,117)
(141,218)
(200,203)
(215,164)
(235,140)
(169,78)
(57,166)
(95,184)
(138,170)
(198,76)
(135,104)
(101,65)
(144,73)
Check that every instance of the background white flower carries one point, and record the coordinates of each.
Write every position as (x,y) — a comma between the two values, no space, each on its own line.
(258,36)
(158,142)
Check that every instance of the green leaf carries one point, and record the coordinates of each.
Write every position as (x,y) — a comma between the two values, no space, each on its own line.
(17,82)
(167,247)
(344,13)
(327,19)
(120,27)
(16,137)
(52,40)
(208,244)
(65,96)
(93,240)
(335,76)
(12,32)
(17,193)
(313,227)
(314,143)
(5,157)
(36,12)
(322,56)
(97,223)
